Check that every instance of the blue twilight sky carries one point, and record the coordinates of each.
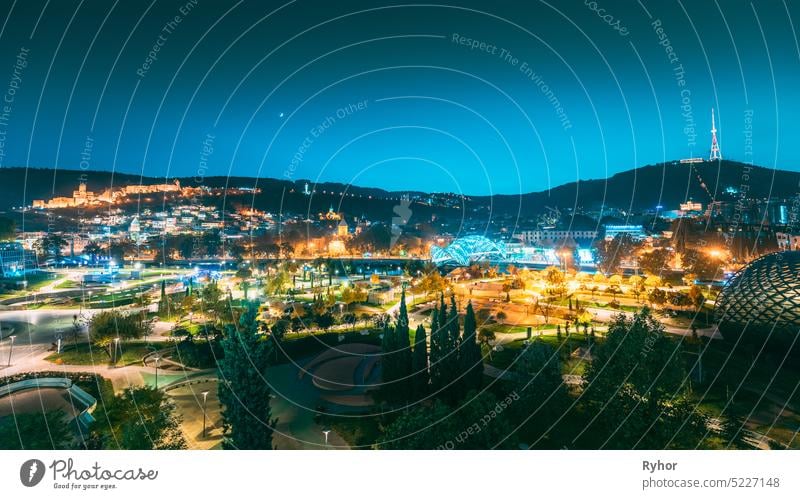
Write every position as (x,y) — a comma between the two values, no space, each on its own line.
(393,95)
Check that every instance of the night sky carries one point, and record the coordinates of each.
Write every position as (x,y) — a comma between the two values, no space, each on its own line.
(469,97)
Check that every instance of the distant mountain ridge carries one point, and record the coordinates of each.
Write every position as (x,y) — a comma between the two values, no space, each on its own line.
(666,184)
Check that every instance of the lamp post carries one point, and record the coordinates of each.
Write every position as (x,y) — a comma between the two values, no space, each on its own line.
(205,399)
(116,350)
(11,348)
(155,360)
(325,432)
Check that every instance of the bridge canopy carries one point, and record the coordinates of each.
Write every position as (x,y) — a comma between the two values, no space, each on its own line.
(466,250)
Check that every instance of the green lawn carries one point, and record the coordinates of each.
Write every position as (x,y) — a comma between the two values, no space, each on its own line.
(35,283)
(86,354)
(67,284)
(164,378)
(510,328)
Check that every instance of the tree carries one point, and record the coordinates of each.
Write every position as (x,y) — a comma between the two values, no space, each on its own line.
(237,252)
(654,262)
(186,247)
(440,426)
(486,337)
(163,303)
(419,364)
(637,285)
(107,325)
(117,251)
(469,353)
(286,249)
(611,253)
(543,397)
(702,264)
(555,280)
(277,333)
(657,297)
(444,358)
(431,283)
(51,246)
(635,390)
(247,421)
(8,229)
(545,307)
(93,250)
(353,294)
(653,281)
(163,257)
(696,297)
(277,283)
(402,352)
(679,299)
(140,418)
(35,431)
(210,298)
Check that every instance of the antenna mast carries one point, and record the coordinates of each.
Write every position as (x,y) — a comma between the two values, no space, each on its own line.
(715,153)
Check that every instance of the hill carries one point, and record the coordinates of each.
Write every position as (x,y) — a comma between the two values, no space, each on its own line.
(666,184)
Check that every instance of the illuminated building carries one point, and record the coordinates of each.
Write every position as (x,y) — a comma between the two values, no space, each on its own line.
(635,231)
(342,228)
(537,237)
(15,260)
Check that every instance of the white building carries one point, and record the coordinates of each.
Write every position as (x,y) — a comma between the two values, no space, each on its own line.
(539,237)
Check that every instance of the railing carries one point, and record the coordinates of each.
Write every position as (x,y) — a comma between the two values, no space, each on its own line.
(65,383)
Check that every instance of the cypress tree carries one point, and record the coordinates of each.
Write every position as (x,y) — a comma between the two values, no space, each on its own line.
(163,306)
(420,364)
(453,324)
(470,359)
(388,364)
(452,336)
(435,353)
(438,350)
(246,415)
(402,354)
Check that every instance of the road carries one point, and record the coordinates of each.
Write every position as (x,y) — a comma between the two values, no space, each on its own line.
(34,333)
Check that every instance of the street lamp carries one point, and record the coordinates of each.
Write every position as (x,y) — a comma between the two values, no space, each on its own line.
(205,399)
(155,360)
(325,432)
(116,348)
(11,348)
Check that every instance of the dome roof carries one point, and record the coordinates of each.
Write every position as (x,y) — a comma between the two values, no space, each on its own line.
(762,300)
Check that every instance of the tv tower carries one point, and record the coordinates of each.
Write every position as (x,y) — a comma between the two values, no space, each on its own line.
(715,154)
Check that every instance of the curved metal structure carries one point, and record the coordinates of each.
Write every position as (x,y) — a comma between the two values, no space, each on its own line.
(468,249)
(762,300)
